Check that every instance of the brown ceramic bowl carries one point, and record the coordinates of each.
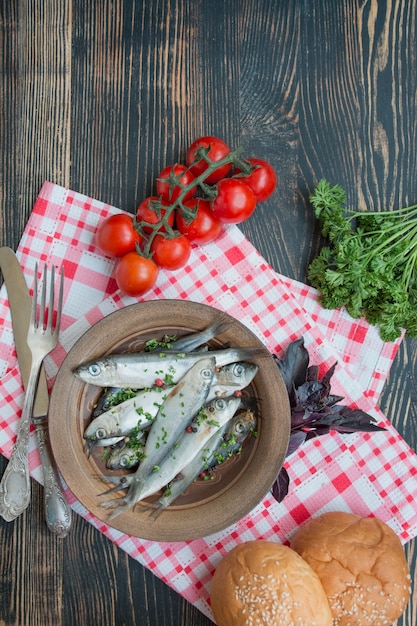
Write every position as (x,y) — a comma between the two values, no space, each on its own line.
(207,506)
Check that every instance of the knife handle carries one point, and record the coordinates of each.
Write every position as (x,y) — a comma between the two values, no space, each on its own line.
(15,482)
(57,509)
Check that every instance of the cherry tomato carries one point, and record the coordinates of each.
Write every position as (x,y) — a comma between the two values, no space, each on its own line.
(170,191)
(150,210)
(235,201)
(217,150)
(135,274)
(171,254)
(115,236)
(262,180)
(205,227)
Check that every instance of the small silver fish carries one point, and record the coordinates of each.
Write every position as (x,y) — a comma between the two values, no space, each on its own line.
(188,474)
(143,369)
(227,441)
(210,419)
(180,406)
(121,419)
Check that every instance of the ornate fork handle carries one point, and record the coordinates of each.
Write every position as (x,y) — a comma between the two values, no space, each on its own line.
(57,509)
(15,483)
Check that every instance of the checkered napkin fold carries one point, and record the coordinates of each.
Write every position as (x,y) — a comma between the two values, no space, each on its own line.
(365,473)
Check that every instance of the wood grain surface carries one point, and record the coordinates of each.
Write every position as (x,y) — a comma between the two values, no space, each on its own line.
(99,96)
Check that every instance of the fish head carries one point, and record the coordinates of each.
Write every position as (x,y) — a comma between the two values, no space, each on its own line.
(204,369)
(240,374)
(221,409)
(93,372)
(102,427)
(241,425)
(122,458)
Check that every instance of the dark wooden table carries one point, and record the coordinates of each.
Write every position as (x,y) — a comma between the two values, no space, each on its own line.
(99,96)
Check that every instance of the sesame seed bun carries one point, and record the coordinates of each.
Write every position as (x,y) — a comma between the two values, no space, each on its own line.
(265,583)
(361,564)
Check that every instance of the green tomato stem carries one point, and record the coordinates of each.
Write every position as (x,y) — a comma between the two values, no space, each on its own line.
(162,226)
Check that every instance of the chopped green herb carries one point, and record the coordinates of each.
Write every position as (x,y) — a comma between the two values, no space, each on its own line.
(121,396)
(153,344)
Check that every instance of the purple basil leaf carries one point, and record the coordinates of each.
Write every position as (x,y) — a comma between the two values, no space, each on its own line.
(327,376)
(294,365)
(281,485)
(354,427)
(312,395)
(331,400)
(299,417)
(296,439)
(313,373)
(344,419)
(305,419)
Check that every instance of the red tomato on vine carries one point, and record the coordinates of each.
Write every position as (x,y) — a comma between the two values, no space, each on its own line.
(205,226)
(171,253)
(217,150)
(235,201)
(263,179)
(135,274)
(116,235)
(170,181)
(151,210)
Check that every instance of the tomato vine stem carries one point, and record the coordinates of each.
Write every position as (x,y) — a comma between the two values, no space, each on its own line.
(148,231)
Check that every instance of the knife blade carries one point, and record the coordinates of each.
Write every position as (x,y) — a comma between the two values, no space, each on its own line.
(57,509)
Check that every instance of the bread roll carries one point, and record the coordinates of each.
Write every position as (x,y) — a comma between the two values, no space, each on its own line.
(361,564)
(265,583)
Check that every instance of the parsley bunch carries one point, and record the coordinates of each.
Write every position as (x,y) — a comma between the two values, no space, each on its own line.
(369,265)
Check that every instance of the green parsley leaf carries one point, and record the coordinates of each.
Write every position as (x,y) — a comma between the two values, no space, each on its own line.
(369,263)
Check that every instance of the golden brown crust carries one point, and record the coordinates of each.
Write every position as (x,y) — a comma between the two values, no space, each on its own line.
(263,582)
(361,564)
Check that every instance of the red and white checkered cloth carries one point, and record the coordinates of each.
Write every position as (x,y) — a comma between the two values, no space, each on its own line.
(368,474)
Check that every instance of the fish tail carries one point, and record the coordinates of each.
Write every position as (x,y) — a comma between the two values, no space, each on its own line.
(119,482)
(252,353)
(220,325)
(124,506)
(135,491)
(119,505)
(157,512)
(114,503)
(129,501)
(117,487)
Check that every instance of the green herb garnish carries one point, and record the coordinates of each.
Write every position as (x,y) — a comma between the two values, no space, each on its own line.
(166,343)
(121,396)
(369,265)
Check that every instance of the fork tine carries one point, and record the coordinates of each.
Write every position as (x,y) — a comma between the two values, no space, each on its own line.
(60,297)
(41,319)
(32,322)
(51,300)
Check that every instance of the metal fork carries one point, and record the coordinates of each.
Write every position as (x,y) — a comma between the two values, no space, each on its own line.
(42,338)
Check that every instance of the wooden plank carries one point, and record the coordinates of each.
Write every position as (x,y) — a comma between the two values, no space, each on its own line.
(35,121)
(34,132)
